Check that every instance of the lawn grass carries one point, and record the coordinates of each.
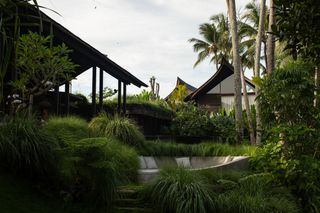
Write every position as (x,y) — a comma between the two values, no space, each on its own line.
(20,196)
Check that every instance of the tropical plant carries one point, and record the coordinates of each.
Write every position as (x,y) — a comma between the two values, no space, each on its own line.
(122,128)
(40,65)
(291,152)
(179,190)
(256,193)
(25,148)
(100,165)
(68,130)
(177,96)
(297,24)
(224,128)
(216,40)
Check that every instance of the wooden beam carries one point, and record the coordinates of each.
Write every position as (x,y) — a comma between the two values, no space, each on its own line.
(94,83)
(119,97)
(57,95)
(67,98)
(124,98)
(101,90)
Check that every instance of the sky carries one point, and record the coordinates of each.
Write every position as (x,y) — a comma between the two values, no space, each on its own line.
(146,37)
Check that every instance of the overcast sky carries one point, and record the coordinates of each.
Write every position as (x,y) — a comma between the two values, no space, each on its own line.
(146,37)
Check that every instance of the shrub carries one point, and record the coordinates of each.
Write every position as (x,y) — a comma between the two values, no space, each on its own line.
(100,164)
(191,120)
(256,193)
(224,126)
(179,190)
(121,128)
(25,147)
(68,130)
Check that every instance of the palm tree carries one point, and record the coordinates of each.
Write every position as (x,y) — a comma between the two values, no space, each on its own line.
(236,65)
(271,40)
(257,67)
(216,40)
(249,27)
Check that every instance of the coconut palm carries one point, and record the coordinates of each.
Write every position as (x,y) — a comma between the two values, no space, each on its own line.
(236,66)
(216,40)
(248,28)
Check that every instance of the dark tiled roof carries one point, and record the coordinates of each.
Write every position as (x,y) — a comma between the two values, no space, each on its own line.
(225,70)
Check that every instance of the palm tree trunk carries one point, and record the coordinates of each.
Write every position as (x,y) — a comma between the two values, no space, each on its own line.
(247,105)
(271,40)
(316,84)
(257,70)
(236,65)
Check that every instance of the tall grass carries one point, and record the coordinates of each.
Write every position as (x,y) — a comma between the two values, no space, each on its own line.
(161,148)
(256,193)
(119,127)
(25,148)
(179,190)
(68,130)
(100,164)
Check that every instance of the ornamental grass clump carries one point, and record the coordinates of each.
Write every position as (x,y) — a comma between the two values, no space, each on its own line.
(25,148)
(180,190)
(68,130)
(119,127)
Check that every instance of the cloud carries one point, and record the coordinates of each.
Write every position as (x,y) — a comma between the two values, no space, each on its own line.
(146,37)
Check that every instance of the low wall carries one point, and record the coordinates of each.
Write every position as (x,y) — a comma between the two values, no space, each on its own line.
(150,166)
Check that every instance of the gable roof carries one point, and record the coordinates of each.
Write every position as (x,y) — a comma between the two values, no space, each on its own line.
(225,70)
(83,54)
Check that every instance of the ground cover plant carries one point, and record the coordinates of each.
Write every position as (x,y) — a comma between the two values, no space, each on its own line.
(206,148)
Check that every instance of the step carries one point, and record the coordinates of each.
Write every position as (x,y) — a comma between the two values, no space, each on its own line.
(127,193)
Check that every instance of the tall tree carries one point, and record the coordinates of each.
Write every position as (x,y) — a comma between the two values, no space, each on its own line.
(216,40)
(271,40)
(248,27)
(257,69)
(236,65)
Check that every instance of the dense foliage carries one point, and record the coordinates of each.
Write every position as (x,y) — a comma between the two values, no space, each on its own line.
(291,152)
(99,166)
(191,120)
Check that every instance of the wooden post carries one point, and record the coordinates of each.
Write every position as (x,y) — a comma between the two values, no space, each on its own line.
(101,90)
(94,83)
(67,98)
(119,97)
(57,95)
(124,98)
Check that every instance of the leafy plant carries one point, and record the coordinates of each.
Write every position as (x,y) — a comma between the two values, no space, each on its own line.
(25,148)
(191,120)
(40,65)
(179,190)
(224,128)
(121,128)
